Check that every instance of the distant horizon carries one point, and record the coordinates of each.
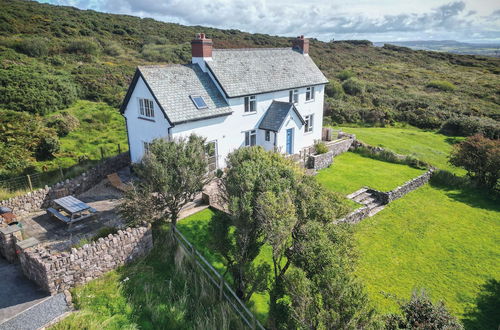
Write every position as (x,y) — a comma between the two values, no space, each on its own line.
(467,21)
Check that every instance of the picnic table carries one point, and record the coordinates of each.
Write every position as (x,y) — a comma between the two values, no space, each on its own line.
(74,209)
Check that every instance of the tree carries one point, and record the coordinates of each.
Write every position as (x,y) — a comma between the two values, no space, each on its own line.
(480,156)
(170,175)
(420,313)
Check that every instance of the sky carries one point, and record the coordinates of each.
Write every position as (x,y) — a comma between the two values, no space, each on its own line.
(375,20)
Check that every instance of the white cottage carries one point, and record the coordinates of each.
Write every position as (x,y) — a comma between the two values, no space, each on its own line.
(272,97)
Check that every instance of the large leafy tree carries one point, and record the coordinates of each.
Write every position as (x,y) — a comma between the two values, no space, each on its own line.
(272,201)
(170,175)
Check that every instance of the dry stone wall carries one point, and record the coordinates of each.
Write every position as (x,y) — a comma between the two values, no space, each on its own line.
(318,162)
(39,199)
(8,237)
(355,216)
(56,273)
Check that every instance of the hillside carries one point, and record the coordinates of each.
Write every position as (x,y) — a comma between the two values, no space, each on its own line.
(52,56)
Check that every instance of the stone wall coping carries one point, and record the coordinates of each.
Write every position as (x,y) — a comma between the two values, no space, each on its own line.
(27,243)
(9,229)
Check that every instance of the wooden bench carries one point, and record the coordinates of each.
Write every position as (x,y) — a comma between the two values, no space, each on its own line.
(58,215)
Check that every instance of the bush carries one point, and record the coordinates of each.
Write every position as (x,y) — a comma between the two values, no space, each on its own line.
(320,148)
(334,89)
(447,179)
(353,86)
(345,74)
(27,88)
(166,53)
(480,156)
(82,47)
(467,126)
(47,147)
(34,47)
(420,313)
(63,123)
(390,157)
(442,85)
(112,49)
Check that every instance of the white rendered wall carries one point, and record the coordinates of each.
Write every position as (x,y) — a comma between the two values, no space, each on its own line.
(143,130)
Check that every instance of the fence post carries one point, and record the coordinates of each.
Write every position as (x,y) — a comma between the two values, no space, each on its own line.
(254,322)
(119,149)
(102,153)
(29,182)
(221,287)
(61,172)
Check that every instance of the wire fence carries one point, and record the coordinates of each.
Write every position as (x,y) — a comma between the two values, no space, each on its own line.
(30,182)
(225,291)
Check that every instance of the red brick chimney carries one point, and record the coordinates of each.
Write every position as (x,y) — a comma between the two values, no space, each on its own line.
(301,44)
(201,46)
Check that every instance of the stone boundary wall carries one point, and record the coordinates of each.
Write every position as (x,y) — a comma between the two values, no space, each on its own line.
(409,186)
(339,147)
(8,237)
(355,216)
(56,273)
(321,161)
(39,199)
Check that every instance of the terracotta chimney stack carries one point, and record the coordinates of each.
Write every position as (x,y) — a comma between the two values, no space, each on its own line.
(301,44)
(201,46)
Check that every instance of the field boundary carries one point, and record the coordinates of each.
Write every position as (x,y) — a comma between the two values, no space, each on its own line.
(218,281)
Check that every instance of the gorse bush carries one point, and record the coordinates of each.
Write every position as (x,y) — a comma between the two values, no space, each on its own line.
(345,74)
(83,47)
(467,126)
(442,85)
(334,89)
(353,86)
(63,123)
(34,47)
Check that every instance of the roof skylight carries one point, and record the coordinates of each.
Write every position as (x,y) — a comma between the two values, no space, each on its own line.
(198,101)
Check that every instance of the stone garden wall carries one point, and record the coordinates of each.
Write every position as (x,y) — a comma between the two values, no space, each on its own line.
(321,161)
(59,272)
(339,147)
(409,186)
(39,199)
(355,216)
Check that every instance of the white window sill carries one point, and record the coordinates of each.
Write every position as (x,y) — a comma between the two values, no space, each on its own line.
(146,118)
(310,101)
(249,113)
(308,133)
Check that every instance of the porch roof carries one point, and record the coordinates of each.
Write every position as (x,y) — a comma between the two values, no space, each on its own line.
(276,115)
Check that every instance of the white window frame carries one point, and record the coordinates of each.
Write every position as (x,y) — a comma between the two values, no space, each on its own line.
(146,108)
(309,125)
(293,96)
(250,103)
(145,146)
(267,136)
(248,138)
(310,93)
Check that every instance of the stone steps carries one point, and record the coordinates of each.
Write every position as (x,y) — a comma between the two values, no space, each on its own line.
(362,196)
(376,210)
(356,193)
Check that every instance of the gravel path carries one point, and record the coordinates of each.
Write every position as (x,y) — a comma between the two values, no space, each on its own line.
(38,315)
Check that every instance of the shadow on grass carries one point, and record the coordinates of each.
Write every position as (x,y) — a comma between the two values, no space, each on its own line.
(486,313)
(474,197)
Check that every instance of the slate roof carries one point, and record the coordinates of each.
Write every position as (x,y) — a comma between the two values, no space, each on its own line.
(259,70)
(276,115)
(173,84)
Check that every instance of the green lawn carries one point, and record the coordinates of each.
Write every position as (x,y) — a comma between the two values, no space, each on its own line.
(445,241)
(351,172)
(428,146)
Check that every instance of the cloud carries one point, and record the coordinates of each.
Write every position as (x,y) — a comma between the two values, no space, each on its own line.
(324,20)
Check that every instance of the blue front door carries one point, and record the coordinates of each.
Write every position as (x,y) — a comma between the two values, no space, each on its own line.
(289,140)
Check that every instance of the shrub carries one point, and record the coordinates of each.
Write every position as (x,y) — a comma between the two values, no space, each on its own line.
(467,126)
(442,85)
(480,156)
(112,49)
(82,47)
(320,148)
(420,313)
(63,123)
(34,47)
(47,147)
(334,89)
(345,74)
(450,180)
(353,86)
(165,53)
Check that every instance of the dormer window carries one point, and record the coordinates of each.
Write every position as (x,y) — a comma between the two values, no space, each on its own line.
(250,104)
(146,108)
(198,101)
(310,93)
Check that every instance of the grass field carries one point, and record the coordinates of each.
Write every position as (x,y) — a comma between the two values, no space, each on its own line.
(443,240)
(428,146)
(157,292)
(351,172)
